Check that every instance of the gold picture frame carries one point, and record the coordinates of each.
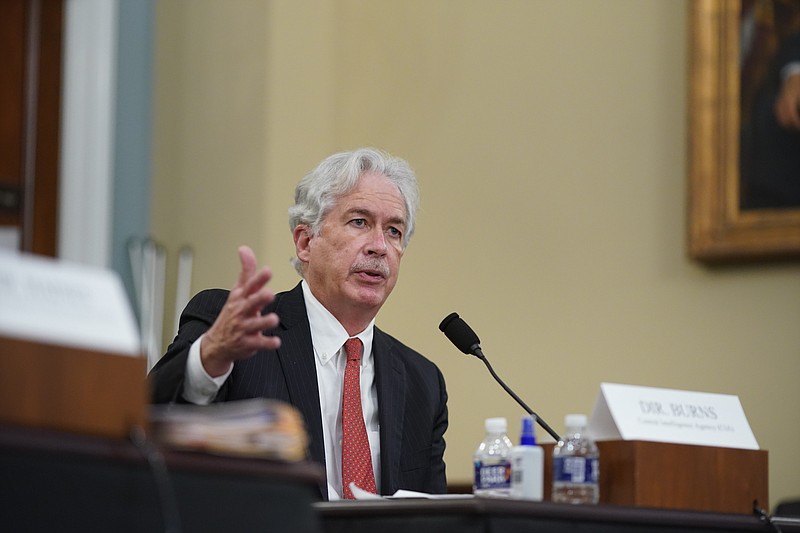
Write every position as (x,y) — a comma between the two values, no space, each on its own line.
(719,230)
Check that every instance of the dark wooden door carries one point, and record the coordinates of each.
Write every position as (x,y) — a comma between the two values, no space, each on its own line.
(30,102)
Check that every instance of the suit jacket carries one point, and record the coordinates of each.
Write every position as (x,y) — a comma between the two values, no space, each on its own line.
(412,400)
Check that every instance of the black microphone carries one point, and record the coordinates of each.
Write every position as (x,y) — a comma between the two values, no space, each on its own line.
(466,340)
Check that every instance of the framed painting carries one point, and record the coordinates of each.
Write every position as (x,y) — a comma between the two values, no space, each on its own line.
(729,219)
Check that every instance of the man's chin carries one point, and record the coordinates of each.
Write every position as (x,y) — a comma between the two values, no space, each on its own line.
(371,296)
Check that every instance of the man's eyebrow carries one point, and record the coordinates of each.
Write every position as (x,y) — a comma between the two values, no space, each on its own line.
(359,211)
(397,221)
(363,211)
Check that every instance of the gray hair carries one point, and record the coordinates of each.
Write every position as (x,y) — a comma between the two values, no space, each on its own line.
(337,175)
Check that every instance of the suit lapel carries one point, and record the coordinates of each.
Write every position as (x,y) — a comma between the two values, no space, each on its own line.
(390,380)
(296,355)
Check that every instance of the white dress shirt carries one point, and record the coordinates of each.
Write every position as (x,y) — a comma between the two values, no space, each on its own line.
(328,337)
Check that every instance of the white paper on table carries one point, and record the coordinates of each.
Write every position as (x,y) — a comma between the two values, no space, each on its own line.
(361,494)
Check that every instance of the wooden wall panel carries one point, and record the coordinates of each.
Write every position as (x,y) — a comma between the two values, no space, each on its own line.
(30,101)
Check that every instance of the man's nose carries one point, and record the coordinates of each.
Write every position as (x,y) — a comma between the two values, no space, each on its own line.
(377,242)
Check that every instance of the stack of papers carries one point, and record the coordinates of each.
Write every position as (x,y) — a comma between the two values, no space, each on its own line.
(253,428)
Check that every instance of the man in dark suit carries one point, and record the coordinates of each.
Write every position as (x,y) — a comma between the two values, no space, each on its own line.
(351,222)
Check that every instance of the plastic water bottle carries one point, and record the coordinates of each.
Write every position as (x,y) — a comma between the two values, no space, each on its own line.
(576,465)
(527,465)
(493,461)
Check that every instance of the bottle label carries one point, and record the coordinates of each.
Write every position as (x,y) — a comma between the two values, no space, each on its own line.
(575,470)
(496,475)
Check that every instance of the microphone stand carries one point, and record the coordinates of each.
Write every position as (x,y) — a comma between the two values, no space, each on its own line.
(477,352)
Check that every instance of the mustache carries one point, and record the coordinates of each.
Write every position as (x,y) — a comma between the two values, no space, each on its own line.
(376,264)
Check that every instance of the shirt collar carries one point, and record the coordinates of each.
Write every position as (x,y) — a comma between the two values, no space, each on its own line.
(327,334)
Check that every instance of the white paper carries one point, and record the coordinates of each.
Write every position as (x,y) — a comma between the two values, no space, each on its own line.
(361,494)
(65,304)
(410,494)
(630,412)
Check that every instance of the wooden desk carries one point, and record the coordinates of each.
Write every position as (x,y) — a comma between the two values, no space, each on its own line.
(54,481)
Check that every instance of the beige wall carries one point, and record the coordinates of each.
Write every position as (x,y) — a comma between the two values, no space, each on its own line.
(549,138)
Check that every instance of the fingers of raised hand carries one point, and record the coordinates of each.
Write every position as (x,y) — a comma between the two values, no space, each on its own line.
(248,261)
(237,337)
(247,302)
(248,336)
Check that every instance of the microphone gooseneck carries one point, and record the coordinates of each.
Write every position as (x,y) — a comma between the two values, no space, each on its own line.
(466,340)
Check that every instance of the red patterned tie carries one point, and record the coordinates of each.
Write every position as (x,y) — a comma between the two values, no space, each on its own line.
(356,457)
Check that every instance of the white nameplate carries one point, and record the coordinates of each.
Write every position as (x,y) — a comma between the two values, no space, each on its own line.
(630,412)
(65,304)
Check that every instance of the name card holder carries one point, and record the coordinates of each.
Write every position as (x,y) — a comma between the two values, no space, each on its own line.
(678,476)
(71,389)
(671,449)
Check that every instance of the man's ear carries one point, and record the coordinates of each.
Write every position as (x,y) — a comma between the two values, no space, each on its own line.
(302,241)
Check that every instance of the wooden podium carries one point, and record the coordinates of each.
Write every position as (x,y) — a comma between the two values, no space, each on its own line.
(678,476)
(71,389)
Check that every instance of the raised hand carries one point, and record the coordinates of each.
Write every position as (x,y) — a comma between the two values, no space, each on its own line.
(237,333)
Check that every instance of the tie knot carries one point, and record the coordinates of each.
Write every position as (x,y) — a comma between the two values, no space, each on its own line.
(352,348)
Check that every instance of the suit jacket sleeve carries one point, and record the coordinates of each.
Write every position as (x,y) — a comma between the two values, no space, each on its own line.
(167,376)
